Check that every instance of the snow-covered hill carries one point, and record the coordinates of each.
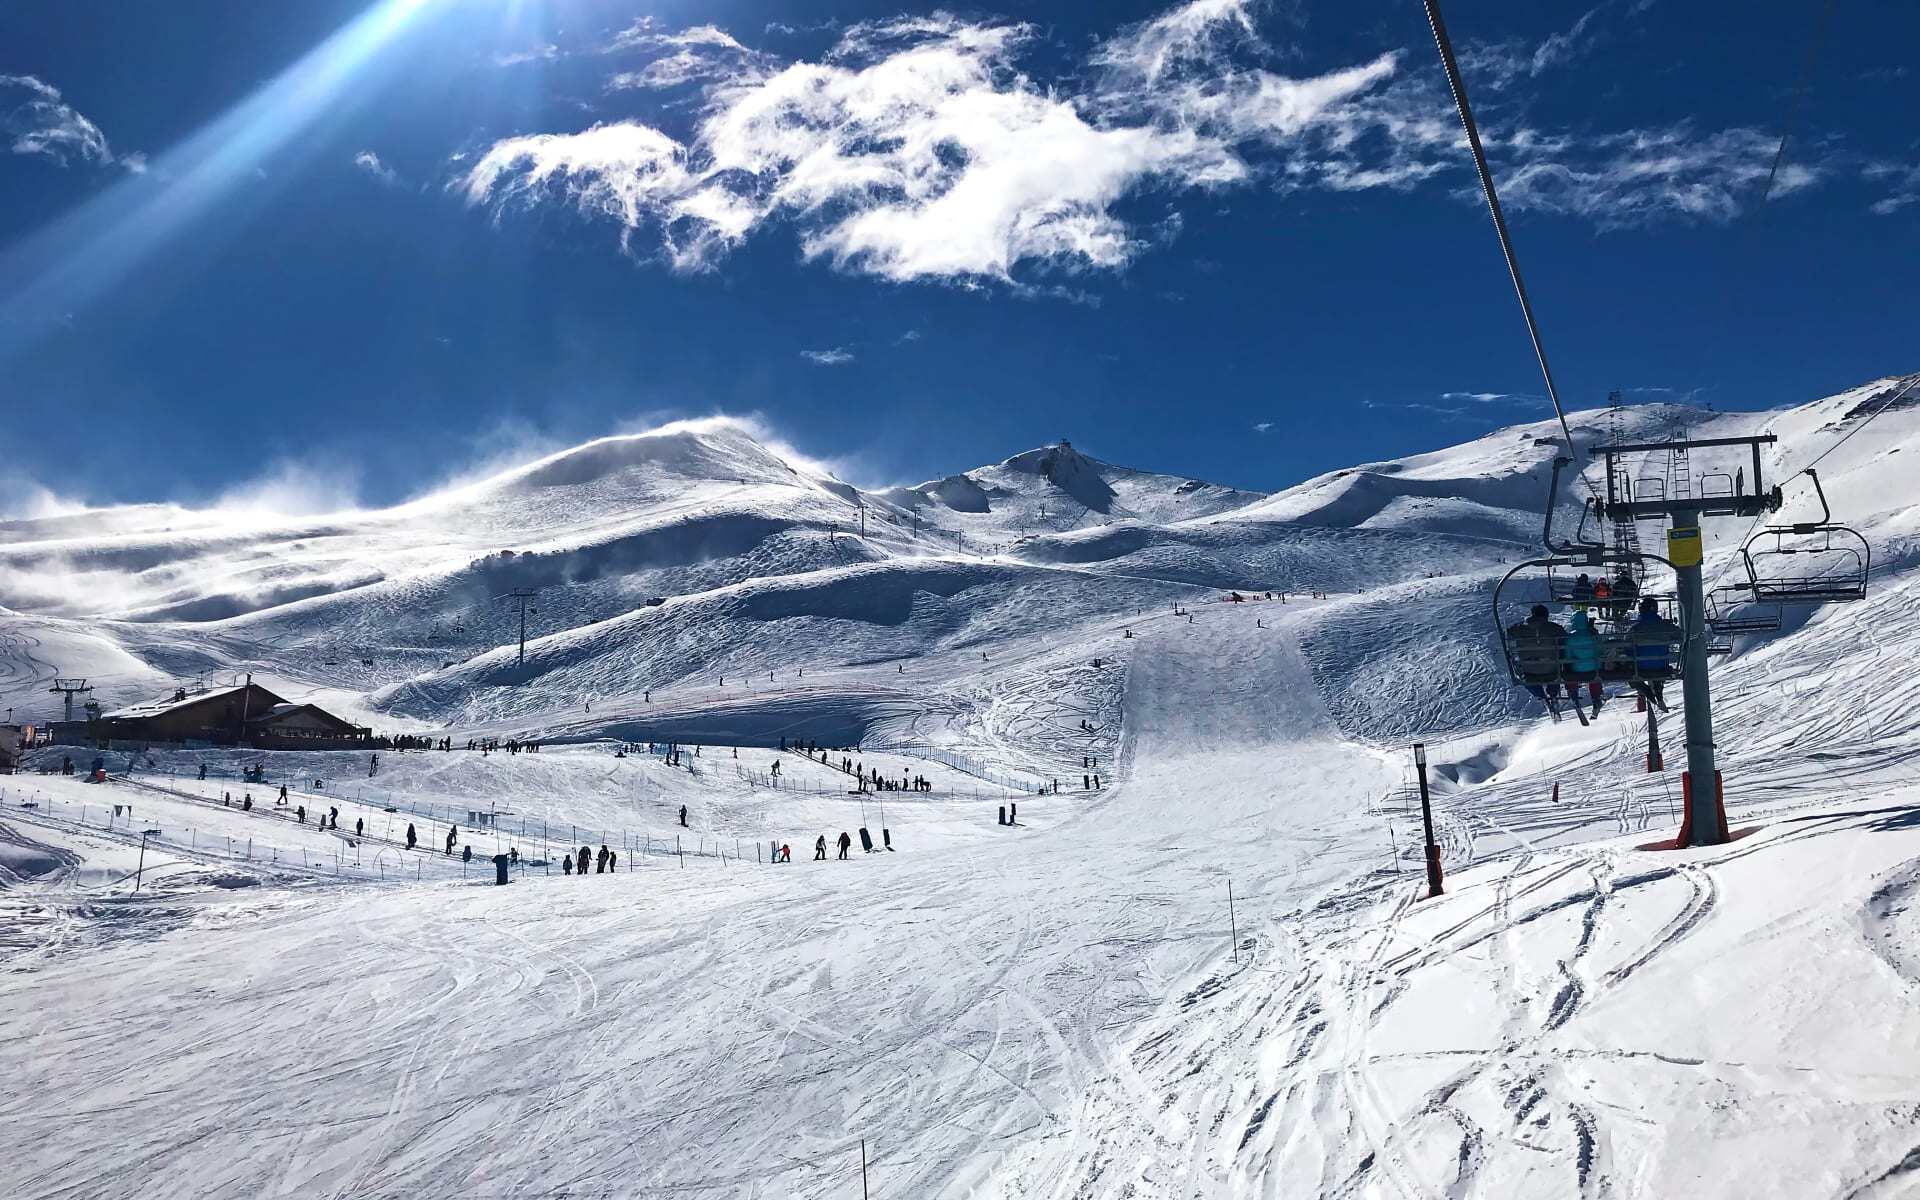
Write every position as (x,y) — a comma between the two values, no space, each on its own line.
(1202,966)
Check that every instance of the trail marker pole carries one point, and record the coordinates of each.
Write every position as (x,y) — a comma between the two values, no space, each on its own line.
(1426,819)
(1233,923)
(863,1169)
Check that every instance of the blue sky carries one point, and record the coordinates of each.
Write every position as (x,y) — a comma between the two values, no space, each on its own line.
(348,250)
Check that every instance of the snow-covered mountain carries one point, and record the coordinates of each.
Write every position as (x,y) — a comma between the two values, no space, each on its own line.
(1205,965)
(670,560)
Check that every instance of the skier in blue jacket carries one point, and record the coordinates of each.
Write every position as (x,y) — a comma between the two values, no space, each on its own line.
(1582,650)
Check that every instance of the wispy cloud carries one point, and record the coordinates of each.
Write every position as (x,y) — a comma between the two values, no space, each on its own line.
(1494,397)
(370,162)
(835,356)
(917,148)
(911,335)
(921,149)
(1262,426)
(38,121)
(513,58)
(1902,181)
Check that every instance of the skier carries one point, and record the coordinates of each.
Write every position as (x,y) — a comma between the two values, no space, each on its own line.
(683,816)
(1653,639)
(411,836)
(786,853)
(1625,592)
(845,843)
(453,834)
(334,816)
(359,827)
(283,792)
(566,864)
(1583,659)
(300,814)
(586,852)
(1582,592)
(246,804)
(612,858)
(820,848)
(466,854)
(600,860)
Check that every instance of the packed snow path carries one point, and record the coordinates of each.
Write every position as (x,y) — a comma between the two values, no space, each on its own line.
(695,1031)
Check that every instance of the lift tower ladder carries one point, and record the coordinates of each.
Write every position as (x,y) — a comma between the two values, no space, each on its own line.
(1705,824)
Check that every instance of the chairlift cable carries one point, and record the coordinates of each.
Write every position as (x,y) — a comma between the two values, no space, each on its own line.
(1799,96)
(1445,45)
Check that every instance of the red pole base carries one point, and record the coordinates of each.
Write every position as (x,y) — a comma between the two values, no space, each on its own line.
(1686,819)
(1433,872)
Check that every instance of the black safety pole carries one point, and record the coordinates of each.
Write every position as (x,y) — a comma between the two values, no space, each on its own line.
(1426,820)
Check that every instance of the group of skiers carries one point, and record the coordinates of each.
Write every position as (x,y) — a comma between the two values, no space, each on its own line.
(603,862)
(1547,654)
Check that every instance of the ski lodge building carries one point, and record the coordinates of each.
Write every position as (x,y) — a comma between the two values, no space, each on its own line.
(244,715)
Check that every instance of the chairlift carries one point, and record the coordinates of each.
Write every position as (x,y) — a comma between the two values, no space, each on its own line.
(1808,562)
(1627,653)
(1730,614)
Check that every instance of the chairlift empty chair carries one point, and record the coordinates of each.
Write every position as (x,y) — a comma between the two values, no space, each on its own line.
(1808,562)
(1729,613)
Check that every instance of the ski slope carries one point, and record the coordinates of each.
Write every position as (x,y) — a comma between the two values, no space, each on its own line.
(1067,1007)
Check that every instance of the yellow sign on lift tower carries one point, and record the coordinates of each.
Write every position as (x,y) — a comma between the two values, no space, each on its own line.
(1683,545)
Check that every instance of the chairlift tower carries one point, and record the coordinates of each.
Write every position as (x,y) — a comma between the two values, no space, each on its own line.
(68,689)
(1683,508)
(522,595)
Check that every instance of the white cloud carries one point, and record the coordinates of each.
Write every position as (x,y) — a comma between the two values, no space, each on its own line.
(920,149)
(1902,181)
(835,357)
(701,54)
(1262,426)
(37,121)
(916,149)
(514,58)
(1491,397)
(370,162)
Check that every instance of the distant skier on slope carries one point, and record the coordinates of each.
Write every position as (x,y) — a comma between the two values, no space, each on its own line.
(453,835)
(820,848)
(586,853)
(566,864)
(411,836)
(845,844)
(683,816)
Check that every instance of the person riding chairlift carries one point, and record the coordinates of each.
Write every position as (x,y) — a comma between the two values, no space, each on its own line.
(1653,640)
(1538,648)
(1583,659)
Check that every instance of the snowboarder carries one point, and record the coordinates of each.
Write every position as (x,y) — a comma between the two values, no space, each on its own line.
(845,843)
(411,836)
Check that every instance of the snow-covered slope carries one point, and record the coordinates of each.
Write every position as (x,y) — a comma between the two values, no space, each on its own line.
(1203,966)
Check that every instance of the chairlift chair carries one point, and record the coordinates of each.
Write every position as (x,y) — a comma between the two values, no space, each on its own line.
(1731,615)
(1625,655)
(1808,562)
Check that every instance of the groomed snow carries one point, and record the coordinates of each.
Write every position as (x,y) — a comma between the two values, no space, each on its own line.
(1067,1007)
